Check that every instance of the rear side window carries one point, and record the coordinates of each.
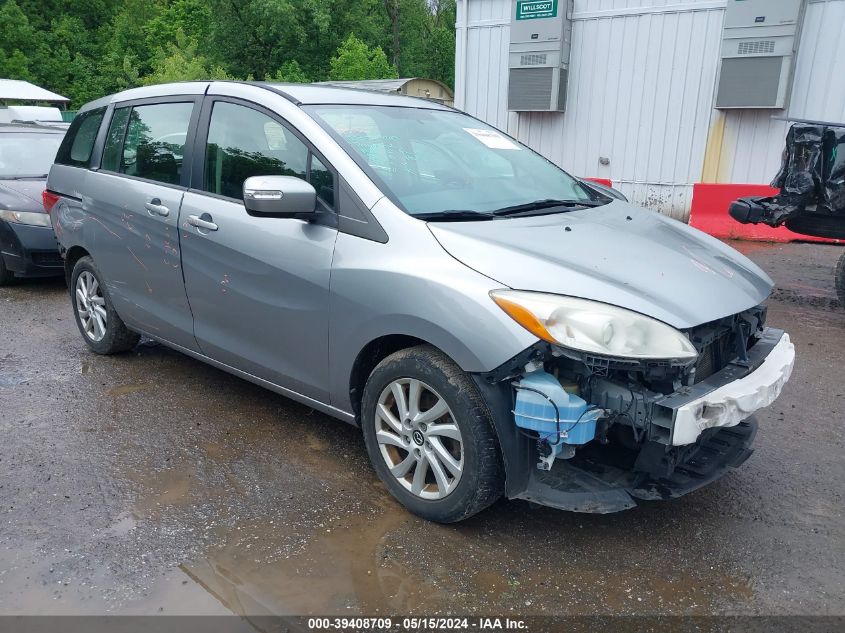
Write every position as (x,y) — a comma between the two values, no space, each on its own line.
(155,142)
(78,144)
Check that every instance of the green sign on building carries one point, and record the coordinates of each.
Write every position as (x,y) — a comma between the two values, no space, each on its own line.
(533,9)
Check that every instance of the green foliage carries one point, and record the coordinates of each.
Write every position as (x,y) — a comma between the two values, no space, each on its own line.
(177,20)
(427,29)
(16,35)
(291,72)
(355,60)
(85,49)
(182,63)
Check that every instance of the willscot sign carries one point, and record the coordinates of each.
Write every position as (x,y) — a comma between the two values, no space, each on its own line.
(533,9)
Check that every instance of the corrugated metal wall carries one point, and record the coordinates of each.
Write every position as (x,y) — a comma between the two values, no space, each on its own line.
(641,86)
(746,145)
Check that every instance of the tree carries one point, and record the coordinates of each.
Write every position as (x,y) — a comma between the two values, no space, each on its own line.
(393,9)
(179,18)
(182,63)
(85,49)
(16,38)
(290,72)
(356,61)
(257,36)
(428,39)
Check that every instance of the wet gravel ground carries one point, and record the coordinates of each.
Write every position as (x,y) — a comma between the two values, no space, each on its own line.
(151,483)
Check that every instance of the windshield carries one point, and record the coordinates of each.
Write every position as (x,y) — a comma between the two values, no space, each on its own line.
(27,154)
(434,162)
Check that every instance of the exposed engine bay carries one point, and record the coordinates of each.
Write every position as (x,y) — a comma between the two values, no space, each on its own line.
(602,430)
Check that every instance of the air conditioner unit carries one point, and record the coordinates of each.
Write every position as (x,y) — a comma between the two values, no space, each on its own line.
(759,42)
(538,61)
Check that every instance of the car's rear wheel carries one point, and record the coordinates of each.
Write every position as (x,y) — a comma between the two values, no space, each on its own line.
(101,327)
(429,436)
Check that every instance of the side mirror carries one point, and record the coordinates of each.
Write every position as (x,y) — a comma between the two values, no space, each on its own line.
(280,197)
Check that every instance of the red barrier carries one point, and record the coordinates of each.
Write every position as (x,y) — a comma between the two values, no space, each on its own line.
(607,182)
(709,213)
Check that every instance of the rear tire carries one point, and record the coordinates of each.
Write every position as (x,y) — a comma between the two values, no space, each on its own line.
(429,436)
(840,281)
(98,322)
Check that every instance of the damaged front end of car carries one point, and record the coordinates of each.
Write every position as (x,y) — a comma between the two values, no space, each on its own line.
(595,432)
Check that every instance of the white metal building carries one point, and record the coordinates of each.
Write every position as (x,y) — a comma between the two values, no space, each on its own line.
(641,93)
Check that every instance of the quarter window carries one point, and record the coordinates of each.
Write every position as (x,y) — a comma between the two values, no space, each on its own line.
(78,144)
(323,181)
(243,142)
(155,141)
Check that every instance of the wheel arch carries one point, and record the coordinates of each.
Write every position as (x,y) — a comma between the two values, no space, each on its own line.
(73,255)
(387,334)
(369,357)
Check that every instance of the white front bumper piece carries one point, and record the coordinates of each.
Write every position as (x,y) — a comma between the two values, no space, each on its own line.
(730,404)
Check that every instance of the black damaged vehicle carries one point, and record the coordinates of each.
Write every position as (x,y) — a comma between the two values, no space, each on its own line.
(812,189)
(28,246)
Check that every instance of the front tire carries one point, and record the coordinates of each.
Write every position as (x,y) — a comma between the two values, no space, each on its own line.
(6,275)
(98,322)
(429,436)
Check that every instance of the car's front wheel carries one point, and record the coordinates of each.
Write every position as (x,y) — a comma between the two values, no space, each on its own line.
(6,275)
(429,436)
(101,327)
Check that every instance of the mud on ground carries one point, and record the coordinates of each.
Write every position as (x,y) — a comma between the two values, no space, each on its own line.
(151,483)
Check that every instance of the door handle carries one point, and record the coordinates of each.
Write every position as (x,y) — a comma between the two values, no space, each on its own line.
(203,222)
(155,206)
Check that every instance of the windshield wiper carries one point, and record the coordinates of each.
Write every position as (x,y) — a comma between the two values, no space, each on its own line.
(548,203)
(27,177)
(453,215)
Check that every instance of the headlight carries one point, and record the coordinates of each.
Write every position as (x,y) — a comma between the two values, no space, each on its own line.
(26,217)
(593,327)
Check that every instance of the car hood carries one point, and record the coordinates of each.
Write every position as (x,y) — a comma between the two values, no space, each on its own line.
(22,195)
(617,254)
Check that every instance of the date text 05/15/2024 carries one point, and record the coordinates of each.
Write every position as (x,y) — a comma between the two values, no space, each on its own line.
(416,624)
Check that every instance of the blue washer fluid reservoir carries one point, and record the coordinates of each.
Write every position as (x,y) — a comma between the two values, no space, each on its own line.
(534,410)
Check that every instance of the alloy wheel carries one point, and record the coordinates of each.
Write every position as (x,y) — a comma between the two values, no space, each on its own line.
(91,306)
(419,439)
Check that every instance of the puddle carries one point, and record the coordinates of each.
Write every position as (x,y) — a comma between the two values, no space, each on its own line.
(343,570)
(360,566)
(215,450)
(122,390)
(70,587)
(286,518)
(12,380)
(122,525)
(169,488)
(314,558)
(314,443)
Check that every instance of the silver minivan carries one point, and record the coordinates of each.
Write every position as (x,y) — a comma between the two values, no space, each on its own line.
(493,325)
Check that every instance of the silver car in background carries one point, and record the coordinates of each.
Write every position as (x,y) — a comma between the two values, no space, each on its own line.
(494,326)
